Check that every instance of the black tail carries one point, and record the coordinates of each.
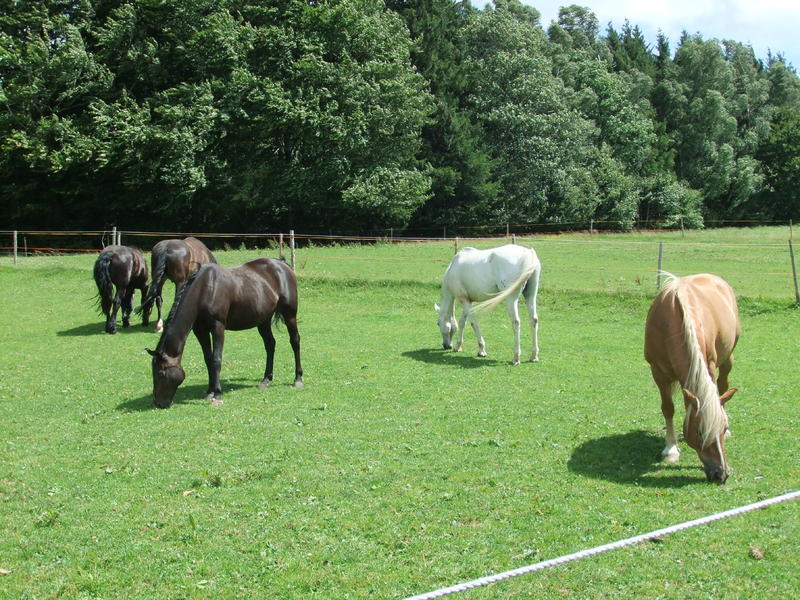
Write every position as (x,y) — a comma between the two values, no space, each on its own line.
(159,270)
(102,277)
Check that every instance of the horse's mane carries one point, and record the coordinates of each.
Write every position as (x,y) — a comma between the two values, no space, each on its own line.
(698,381)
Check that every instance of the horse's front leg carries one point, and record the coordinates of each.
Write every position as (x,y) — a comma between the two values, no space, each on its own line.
(265,329)
(212,355)
(513,314)
(533,316)
(468,313)
(111,320)
(671,453)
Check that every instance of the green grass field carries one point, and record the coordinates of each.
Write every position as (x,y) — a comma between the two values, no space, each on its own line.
(399,468)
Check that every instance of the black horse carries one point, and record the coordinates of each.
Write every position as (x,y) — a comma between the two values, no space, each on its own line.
(215,299)
(125,268)
(175,260)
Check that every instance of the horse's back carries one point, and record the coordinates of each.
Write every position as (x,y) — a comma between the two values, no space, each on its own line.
(711,305)
(479,274)
(199,251)
(126,265)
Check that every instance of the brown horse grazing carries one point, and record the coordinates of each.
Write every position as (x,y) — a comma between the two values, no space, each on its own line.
(174,260)
(692,329)
(125,268)
(215,299)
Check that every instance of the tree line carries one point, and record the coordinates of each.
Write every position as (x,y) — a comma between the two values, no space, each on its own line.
(348,116)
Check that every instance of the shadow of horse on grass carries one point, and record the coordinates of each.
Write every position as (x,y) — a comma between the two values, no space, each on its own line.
(632,457)
(438,356)
(97,329)
(188,395)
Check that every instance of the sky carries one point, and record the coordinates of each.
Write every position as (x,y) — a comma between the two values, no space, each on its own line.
(763,24)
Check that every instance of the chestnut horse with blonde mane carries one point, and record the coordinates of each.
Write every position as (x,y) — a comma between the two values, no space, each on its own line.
(691,331)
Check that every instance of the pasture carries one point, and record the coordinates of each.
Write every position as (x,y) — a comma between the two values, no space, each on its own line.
(399,467)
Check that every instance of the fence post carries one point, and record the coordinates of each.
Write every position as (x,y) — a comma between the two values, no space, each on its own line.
(15,246)
(455,245)
(794,273)
(114,234)
(660,260)
(119,237)
(291,246)
(513,238)
(280,244)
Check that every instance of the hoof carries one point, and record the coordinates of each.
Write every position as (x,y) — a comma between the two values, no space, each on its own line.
(159,326)
(534,359)
(297,384)
(671,457)
(264,384)
(515,362)
(482,354)
(216,401)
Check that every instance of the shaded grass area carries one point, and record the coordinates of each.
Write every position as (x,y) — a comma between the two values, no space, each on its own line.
(398,468)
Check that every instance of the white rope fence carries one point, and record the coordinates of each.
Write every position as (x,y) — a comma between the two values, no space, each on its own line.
(483,581)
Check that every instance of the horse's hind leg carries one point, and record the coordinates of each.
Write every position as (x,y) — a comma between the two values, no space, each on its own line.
(294,340)
(670,452)
(146,312)
(513,314)
(265,329)
(127,306)
(111,320)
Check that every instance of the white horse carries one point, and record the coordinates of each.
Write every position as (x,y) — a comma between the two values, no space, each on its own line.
(489,277)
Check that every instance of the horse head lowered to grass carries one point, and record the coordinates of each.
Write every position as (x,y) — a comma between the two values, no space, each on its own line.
(490,277)
(214,299)
(691,330)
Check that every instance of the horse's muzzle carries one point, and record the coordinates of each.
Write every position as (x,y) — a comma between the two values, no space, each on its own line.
(716,474)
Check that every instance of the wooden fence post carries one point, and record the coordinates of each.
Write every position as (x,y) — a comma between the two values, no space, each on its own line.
(291,246)
(794,273)
(660,261)
(114,235)
(455,245)
(15,246)
(513,238)
(280,244)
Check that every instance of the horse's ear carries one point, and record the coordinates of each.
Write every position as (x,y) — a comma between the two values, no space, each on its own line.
(690,399)
(727,395)
(436,307)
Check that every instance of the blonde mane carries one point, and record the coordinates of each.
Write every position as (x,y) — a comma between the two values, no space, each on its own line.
(698,381)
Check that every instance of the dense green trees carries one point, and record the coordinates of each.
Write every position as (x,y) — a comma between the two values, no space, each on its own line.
(360,115)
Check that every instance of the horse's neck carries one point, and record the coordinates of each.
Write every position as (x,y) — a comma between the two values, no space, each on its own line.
(448,302)
(178,327)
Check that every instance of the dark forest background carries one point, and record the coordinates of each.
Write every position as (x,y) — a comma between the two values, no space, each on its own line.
(353,116)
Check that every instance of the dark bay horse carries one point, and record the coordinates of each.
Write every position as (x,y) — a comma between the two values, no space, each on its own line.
(125,268)
(215,299)
(175,260)
(691,330)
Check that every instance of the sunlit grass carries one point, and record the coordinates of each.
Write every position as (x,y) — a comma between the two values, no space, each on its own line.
(399,467)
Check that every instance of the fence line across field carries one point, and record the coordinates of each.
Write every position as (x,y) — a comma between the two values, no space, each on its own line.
(653,535)
(116,238)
